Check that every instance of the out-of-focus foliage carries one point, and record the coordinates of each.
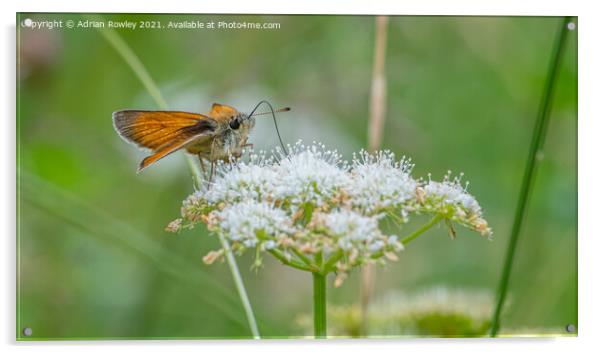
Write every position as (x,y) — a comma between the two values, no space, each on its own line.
(463,93)
(432,312)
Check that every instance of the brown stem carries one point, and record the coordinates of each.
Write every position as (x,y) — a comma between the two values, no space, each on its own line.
(378,103)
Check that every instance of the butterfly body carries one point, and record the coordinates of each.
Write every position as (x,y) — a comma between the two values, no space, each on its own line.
(225,143)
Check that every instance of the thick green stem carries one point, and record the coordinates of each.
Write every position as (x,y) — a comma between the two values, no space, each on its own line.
(319,305)
(422,229)
(537,140)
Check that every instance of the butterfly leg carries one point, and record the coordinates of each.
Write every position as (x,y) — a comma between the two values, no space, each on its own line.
(202,163)
(212,161)
(212,169)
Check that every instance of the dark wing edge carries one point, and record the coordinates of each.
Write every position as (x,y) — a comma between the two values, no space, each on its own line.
(124,119)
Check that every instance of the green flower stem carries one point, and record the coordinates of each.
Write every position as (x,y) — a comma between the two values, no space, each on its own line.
(319,305)
(537,139)
(329,265)
(302,256)
(318,258)
(377,255)
(292,263)
(151,87)
(398,220)
(422,229)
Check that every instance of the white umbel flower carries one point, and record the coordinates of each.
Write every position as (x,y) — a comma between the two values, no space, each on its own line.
(380,182)
(451,198)
(240,181)
(453,193)
(310,174)
(352,229)
(250,223)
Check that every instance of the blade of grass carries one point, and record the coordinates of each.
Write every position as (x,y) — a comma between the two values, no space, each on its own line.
(140,70)
(537,141)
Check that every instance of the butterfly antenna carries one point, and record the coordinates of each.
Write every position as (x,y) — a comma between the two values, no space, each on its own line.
(275,122)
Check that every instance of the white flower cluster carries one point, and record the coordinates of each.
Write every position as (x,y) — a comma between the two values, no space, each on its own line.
(250,222)
(241,181)
(314,211)
(451,199)
(380,182)
(310,175)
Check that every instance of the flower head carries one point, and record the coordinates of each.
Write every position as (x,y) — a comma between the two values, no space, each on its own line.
(239,181)
(380,182)
(251,224)
(451,198)
(310,174)
(356,236)
(316,212)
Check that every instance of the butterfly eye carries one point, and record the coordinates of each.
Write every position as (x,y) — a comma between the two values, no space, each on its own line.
(234,124)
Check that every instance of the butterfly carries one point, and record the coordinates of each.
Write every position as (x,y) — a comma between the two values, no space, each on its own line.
(220,134)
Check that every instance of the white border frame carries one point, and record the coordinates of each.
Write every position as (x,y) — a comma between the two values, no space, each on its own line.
(590,115)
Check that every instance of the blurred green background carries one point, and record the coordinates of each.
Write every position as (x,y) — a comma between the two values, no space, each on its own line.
(463,93)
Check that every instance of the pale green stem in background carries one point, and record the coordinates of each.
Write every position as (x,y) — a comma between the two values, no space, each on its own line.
(136,65)
(194,169)
(240,287)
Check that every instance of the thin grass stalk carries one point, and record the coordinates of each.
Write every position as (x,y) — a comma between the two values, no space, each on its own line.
(149,84)
(537,141)
(378,109)
(319,289)
(240,287)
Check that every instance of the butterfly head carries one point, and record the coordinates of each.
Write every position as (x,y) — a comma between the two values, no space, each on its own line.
(241,120)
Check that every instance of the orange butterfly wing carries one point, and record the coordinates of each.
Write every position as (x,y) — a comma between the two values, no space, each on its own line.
(164,132)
